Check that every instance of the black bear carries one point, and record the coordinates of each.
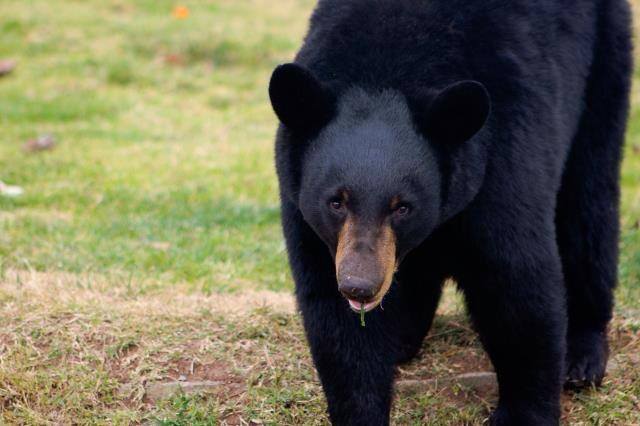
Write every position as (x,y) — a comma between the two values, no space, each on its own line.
(476,140)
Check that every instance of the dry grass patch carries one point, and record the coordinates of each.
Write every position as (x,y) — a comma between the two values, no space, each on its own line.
(81,349)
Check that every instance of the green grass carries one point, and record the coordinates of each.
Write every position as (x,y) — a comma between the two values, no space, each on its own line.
(149,151)
(158,207)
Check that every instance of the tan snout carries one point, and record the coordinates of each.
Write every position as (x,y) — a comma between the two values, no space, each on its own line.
(365,262)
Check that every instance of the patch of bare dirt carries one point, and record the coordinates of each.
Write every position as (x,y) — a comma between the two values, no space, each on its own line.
(187,376)
(192,371)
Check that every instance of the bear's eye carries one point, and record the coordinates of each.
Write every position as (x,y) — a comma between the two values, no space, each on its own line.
(336,204)
(402,210)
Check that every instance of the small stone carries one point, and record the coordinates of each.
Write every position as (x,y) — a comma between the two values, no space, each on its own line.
(182,378)
(475,381)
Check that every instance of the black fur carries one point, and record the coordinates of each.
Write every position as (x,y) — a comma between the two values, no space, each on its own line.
(501,123)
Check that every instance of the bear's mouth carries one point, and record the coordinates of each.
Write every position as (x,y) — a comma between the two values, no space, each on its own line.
(359,306)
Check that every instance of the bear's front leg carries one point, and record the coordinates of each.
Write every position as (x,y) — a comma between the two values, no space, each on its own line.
(516,301)
(355,363)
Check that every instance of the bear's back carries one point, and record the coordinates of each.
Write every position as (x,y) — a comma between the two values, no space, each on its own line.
(415,45)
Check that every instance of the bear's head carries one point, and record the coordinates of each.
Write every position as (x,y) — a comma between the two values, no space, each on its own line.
(375,172)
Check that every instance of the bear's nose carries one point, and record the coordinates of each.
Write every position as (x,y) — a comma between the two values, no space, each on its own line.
(356,288)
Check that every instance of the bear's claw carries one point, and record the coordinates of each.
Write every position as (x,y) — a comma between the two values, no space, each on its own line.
(586,360)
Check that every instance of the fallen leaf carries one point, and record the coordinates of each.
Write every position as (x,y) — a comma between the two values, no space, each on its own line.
(160,245)
(6,67)
(180,12)
(41,143)
(173,59)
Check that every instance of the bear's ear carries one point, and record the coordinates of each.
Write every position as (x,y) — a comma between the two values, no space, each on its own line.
(458,112)
(299,100)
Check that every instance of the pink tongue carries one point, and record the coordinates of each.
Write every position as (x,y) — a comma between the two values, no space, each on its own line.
(356,306)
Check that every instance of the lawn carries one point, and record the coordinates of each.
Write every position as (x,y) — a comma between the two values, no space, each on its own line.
(146,248)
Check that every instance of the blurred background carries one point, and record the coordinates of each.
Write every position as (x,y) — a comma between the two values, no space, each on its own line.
(136,174)
(162,132)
